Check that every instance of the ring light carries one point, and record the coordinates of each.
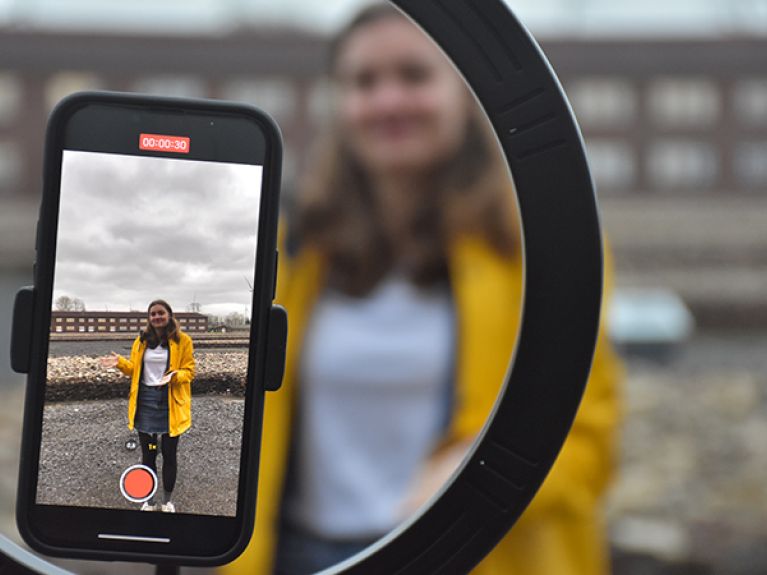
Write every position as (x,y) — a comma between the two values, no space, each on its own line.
(536,129)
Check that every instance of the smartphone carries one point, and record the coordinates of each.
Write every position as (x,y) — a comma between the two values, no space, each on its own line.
(143,419)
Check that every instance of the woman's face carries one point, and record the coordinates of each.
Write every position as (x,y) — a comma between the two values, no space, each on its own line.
(402,107)
(158,316)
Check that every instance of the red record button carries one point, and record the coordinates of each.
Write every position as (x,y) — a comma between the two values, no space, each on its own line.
(138,483)
(162,143)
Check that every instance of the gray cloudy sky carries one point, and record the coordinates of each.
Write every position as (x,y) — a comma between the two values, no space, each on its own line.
(544,17)
(136,228)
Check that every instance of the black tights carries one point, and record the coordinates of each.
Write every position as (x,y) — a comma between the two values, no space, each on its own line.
(169,446)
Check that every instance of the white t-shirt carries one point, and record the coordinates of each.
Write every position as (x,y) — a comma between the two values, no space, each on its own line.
(155,363)
(375,390)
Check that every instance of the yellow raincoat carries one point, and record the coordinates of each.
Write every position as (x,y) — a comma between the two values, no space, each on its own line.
(179,389)
(561,532)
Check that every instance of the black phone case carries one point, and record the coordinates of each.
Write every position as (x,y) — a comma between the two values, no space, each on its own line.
(32,321)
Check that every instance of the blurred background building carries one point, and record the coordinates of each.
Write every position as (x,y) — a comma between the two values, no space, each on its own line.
(672,100)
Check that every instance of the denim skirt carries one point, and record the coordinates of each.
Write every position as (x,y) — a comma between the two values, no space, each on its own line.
(152,409)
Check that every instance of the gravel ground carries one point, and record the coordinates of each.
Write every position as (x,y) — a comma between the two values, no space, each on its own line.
(84,453)
(81,377)
(691,490)
(89,348)
(11,410)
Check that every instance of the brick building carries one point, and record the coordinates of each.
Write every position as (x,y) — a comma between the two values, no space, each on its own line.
(660,116)
(117,321)
(676,131)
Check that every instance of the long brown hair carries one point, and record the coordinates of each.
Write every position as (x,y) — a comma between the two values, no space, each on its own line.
(149,333)
(470,192)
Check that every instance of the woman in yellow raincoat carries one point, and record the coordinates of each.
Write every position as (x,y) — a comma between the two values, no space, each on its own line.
(402,277)
(161,367)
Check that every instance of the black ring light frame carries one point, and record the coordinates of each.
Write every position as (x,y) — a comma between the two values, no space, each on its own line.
(535,126)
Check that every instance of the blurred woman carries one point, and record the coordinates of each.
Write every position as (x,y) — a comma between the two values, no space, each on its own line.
(161,368)
(403,283)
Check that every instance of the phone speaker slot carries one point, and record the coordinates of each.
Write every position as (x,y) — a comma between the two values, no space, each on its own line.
(140,538)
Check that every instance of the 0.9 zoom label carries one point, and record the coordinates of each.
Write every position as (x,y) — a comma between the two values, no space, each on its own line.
(159,143)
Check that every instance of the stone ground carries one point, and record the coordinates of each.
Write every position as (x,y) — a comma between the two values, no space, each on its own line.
(219,371)
(692,490)
(84,454)
(691,496)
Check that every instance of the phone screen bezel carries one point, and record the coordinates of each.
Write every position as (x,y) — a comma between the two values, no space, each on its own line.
(219,132)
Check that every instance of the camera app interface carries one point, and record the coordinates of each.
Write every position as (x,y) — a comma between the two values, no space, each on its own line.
(150,321)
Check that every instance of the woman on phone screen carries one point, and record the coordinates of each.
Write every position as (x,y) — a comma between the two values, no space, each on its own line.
(402,275)
(161,368)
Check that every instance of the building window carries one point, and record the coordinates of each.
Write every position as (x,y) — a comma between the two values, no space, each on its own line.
(123,320)
(70,320)
(603,102)
(751,163)
(276,96)
(320,102)
(613,164)
(683,164)
(81,329)
(90,328)
(102,320)
(289,164)
(171,85)
(59,329)
(11,163)
(64,83)
(58,320)
(11,93)
(684,103)
(750,101)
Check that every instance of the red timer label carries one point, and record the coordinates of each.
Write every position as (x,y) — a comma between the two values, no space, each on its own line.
(160,143)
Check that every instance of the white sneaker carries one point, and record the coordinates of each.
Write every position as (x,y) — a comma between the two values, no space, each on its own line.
(168,507)
(149,506)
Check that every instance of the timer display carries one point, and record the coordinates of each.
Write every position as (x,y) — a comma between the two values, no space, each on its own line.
(160,143)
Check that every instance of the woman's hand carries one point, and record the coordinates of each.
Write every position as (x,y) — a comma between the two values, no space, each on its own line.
(167,378)
(109,361)
(433,475)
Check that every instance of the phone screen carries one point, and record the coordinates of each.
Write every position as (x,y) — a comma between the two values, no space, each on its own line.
(144,402)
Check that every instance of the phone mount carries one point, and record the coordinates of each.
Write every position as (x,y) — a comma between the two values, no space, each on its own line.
(21,329)
(536,129)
